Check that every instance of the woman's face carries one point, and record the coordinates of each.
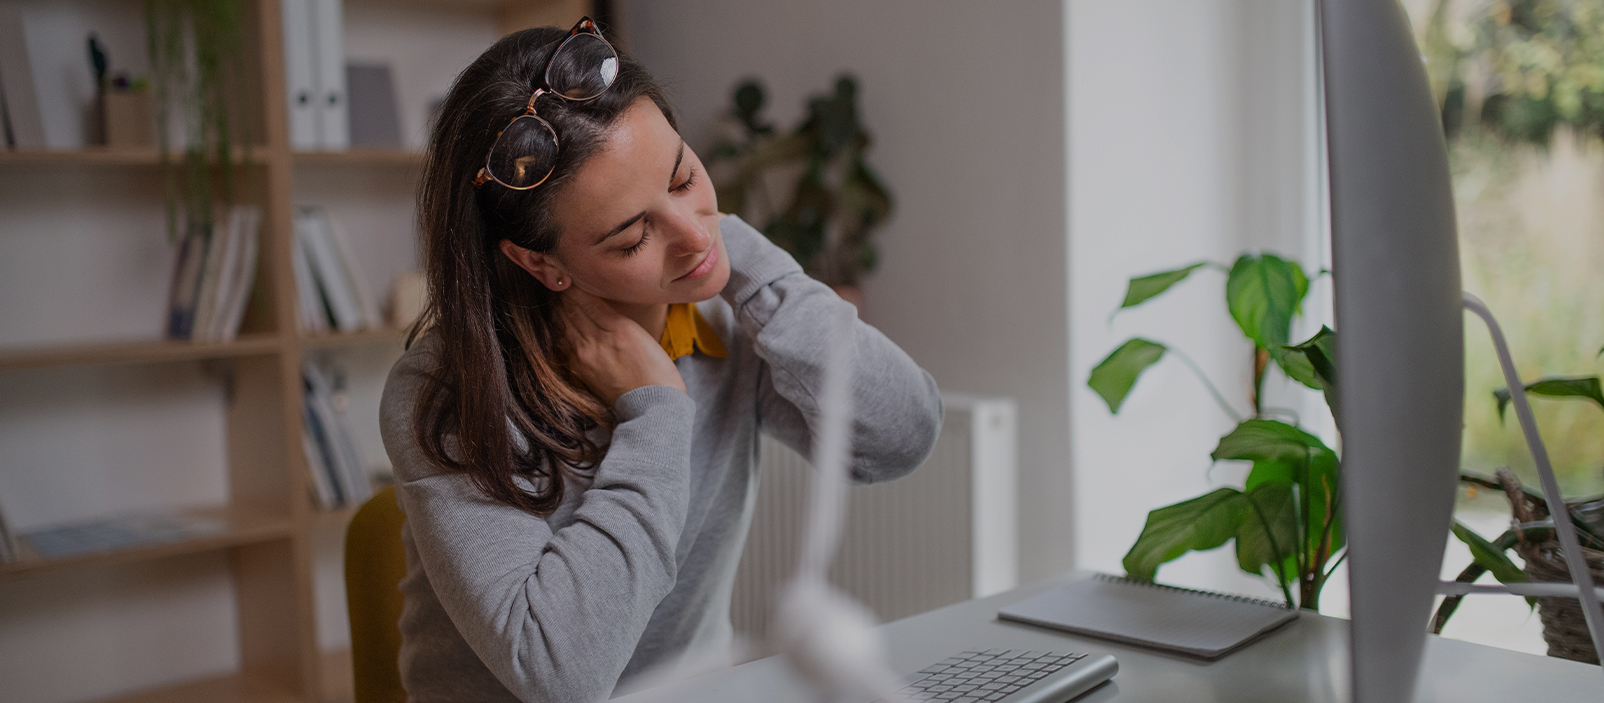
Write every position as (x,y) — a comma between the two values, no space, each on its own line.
(638,223)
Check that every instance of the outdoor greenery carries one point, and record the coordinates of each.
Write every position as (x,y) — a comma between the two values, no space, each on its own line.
(836,201)
(1286,520)
(1520,68)
(1521,85)
(196,60)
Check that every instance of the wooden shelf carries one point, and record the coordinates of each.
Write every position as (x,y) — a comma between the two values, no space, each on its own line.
(234,688)
(109,156)
(243,527)
(336,518)
(137,352)
(388,335)
(376,157)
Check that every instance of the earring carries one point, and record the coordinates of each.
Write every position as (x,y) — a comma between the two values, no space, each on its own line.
(559,282)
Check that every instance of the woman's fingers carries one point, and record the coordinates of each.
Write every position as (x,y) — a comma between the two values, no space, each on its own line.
(612,353)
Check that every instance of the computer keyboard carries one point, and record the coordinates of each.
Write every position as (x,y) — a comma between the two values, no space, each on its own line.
(1008,676)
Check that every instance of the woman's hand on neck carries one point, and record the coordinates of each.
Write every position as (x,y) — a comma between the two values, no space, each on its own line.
(613,352)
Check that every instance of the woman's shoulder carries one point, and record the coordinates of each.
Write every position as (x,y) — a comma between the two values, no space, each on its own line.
(417,364)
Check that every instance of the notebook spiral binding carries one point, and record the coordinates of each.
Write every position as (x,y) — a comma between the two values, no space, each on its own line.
(1212,594)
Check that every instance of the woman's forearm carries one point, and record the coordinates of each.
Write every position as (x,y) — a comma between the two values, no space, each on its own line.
(896,406)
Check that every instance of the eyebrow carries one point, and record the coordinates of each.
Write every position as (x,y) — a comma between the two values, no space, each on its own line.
(678,158)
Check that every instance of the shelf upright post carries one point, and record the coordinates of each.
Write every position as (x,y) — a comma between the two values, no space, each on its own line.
(278,621)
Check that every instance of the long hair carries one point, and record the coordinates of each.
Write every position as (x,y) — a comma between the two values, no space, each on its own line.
(501,401)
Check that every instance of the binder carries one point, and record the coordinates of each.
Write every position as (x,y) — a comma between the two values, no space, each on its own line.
(1201,624)
(25,123)
(299,74)
(333,113)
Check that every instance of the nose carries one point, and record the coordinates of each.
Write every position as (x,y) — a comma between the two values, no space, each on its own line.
(688,235)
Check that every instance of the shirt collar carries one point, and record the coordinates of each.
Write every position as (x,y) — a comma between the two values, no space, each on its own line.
(687,331)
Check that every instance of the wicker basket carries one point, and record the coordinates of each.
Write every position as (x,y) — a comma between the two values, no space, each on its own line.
(1564,625)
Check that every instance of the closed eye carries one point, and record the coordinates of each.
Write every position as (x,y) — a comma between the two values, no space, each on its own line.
(636,247)
(690,182)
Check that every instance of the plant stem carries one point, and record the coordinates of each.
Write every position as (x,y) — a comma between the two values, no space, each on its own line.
(1261,362)
(1198,371)
(1275,565)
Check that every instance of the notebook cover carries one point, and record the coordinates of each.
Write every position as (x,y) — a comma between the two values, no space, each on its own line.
(1201,624)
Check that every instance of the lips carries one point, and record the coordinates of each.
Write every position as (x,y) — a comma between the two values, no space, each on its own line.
(704,268)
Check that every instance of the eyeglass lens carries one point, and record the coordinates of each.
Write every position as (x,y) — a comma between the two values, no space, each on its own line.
(582,67)
(524,154)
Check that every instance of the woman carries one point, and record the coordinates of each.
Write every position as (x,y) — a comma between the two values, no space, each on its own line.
(574,440)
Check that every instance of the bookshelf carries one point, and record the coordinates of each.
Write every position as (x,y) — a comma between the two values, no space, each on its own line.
(276,558)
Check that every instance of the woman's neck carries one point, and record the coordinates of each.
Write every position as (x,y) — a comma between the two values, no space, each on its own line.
(652,316)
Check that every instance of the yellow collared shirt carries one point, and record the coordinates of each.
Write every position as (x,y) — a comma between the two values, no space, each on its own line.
(687,331)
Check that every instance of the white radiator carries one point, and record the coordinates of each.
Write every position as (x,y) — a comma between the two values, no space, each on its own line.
(943,534)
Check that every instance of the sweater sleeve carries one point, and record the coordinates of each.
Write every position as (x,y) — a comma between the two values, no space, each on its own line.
(896,409)
(554,615)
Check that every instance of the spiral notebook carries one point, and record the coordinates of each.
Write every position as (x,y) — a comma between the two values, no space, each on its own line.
(1201,624)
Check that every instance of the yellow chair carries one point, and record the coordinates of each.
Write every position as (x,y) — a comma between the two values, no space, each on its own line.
(375,562)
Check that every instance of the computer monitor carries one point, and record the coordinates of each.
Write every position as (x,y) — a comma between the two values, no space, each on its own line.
(1400,329)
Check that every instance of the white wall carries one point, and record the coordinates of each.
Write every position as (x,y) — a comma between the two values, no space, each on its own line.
(1190,137)
(965,102)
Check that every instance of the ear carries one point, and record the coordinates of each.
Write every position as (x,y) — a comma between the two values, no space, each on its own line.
(542,266)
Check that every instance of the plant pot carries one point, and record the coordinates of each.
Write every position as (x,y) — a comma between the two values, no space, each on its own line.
(1564,625)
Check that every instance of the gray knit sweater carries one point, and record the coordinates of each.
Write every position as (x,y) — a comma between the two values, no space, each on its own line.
(637,566)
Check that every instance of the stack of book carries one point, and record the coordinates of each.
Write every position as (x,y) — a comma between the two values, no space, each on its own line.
(333,293)
(337,473)
(213,278)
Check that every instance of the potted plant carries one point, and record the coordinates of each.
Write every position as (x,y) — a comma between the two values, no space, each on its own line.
(1286,520)
(196,66)
(1531,537)
(836,200)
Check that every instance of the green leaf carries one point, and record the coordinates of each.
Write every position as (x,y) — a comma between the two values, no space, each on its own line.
(1285,455)
(1272,512)
(1263,293)
(1489,556)
(1569,387)
(1296,366)
(1313,363)
(1114,376)
(1205,522)
(1556,387)
(1267,440)
(1143,287)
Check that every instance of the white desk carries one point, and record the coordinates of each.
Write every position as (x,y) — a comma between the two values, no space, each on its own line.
(1305,661)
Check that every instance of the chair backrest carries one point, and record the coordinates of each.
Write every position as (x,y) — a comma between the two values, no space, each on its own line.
(375,562)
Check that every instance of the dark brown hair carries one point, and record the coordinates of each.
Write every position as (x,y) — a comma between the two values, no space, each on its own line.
(501,402)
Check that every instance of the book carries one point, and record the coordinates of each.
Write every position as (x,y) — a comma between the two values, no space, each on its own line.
(325,489)
(311,227)
(247,221)
(218,250)
(367,305)
(375,119)
(183,294)
(1201,624)
(345,462)
(311,311)
(24,120)
(121,533)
